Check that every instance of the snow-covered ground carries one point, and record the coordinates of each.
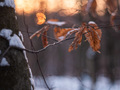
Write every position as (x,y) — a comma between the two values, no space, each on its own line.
(75,83)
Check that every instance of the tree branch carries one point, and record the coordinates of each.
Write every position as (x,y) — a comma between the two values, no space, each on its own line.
(35,53)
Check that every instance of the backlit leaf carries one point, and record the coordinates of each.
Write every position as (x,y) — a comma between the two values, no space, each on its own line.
(77,40)
(60,34)
(93,36)
(40,18)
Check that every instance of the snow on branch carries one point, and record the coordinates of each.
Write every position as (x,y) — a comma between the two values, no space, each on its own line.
(13,40)
(9,3)
(6,33)
(21,35)
(4,62)
(58,23)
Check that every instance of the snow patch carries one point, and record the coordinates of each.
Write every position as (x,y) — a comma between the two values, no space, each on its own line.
(103,83)
(9,3)
(16,17)
(31,77)
(15,41)
(6,33)
(4,62)
(73,83)
(91,22)
(56,23)
(25,55)
(61,38)
(2,4)
(113,14)
(21,35)
(116,85)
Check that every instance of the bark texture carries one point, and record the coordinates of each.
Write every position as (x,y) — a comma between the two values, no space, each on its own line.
(17,75)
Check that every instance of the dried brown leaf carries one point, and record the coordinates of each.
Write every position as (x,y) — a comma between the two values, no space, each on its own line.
(77,40)
(60,34)
(93,36)
(44,39)
(70,48)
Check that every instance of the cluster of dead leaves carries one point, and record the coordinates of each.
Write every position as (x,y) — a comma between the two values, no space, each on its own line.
(43,31)
(111,6)
(91,31)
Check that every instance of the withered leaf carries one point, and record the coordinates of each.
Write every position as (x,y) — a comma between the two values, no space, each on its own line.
(93,36)
(60,34)
(77,40)
(44,39)
(70,48)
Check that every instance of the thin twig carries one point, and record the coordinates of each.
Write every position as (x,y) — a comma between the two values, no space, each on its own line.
(35,53)
(4,53)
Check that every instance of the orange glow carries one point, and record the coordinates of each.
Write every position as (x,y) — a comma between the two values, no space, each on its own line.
(29,6)
(66,7)
(101,6)
(40,18)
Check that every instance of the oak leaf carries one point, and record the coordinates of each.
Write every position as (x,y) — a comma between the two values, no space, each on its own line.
(77,40)
(60,34)
(93,36)
(44,39)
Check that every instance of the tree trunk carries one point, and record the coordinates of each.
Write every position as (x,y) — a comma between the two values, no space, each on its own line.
(14,69)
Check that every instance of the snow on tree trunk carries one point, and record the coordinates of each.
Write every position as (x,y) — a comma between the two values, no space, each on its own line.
(15,73)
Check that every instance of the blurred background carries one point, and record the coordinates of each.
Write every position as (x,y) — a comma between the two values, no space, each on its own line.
(81,69)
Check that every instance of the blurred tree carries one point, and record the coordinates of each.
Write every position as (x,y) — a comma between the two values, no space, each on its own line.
(14,69)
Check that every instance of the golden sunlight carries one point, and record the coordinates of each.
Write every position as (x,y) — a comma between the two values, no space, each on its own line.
(30,6)
(101,6)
